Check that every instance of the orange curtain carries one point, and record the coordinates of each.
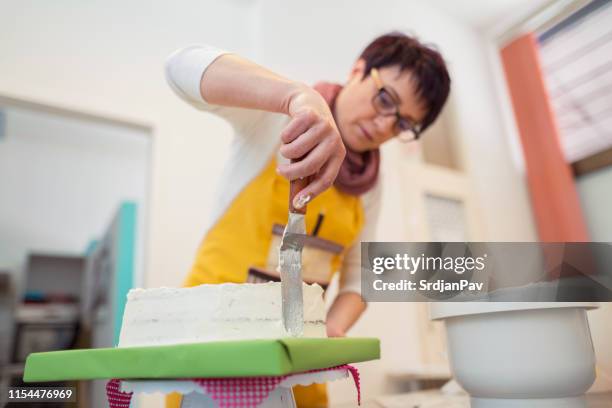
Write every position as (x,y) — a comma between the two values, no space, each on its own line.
(553,193)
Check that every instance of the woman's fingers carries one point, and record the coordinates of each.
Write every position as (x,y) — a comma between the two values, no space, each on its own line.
(305,142)
(299,124)
(309,164)
(323,180)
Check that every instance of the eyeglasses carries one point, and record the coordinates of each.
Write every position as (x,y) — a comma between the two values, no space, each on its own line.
(386,104)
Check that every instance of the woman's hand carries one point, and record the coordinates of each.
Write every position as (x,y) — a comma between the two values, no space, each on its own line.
(313,141)
(334,331)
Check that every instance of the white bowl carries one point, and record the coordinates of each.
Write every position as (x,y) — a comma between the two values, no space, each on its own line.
(520,354)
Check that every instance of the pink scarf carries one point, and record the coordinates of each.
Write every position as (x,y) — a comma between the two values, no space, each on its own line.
(359,171)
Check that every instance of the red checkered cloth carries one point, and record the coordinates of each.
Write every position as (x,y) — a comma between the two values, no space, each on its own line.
(116,397)
(239,392)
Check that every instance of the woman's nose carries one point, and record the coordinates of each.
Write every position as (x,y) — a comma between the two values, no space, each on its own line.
(384,124)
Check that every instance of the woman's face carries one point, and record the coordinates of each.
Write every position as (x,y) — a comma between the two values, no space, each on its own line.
(361,126)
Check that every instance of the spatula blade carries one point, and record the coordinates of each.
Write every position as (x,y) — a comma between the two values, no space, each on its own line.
(290,265)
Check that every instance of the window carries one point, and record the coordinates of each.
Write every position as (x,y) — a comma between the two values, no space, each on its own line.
(576,57)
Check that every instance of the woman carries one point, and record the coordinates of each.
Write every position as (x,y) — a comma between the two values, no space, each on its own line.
(329,133)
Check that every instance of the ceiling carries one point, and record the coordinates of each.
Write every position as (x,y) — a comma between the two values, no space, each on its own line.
(486,14)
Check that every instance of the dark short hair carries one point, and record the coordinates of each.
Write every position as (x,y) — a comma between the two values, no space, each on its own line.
(425,63)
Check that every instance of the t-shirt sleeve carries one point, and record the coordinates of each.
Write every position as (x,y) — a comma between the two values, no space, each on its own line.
(184,69)
(350,272)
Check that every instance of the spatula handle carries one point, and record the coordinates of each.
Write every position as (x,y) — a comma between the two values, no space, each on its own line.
(295,186)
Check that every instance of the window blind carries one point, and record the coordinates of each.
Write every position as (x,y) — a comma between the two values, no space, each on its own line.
(576,56)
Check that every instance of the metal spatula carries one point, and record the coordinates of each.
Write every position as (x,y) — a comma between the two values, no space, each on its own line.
(290,263)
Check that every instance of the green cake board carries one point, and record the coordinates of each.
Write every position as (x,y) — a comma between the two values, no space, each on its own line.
(240,358)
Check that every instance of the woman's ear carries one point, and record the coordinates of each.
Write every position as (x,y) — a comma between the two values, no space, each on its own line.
(358,69)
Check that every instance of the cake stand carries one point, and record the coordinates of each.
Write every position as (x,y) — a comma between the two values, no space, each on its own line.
(194,396)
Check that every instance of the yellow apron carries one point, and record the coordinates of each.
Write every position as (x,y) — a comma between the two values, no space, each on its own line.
(242,237)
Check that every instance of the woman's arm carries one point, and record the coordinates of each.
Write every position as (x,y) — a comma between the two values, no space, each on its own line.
(348,305)
(231,80)
(344,312)
(310,136)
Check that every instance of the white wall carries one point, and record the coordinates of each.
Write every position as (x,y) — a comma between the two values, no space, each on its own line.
(595,193)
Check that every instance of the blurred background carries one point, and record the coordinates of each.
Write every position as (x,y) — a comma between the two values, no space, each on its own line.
(105,175)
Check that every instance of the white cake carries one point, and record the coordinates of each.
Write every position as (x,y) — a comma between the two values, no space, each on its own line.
(204,313)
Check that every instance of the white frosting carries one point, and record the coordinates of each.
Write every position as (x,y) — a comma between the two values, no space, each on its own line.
(228,311)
